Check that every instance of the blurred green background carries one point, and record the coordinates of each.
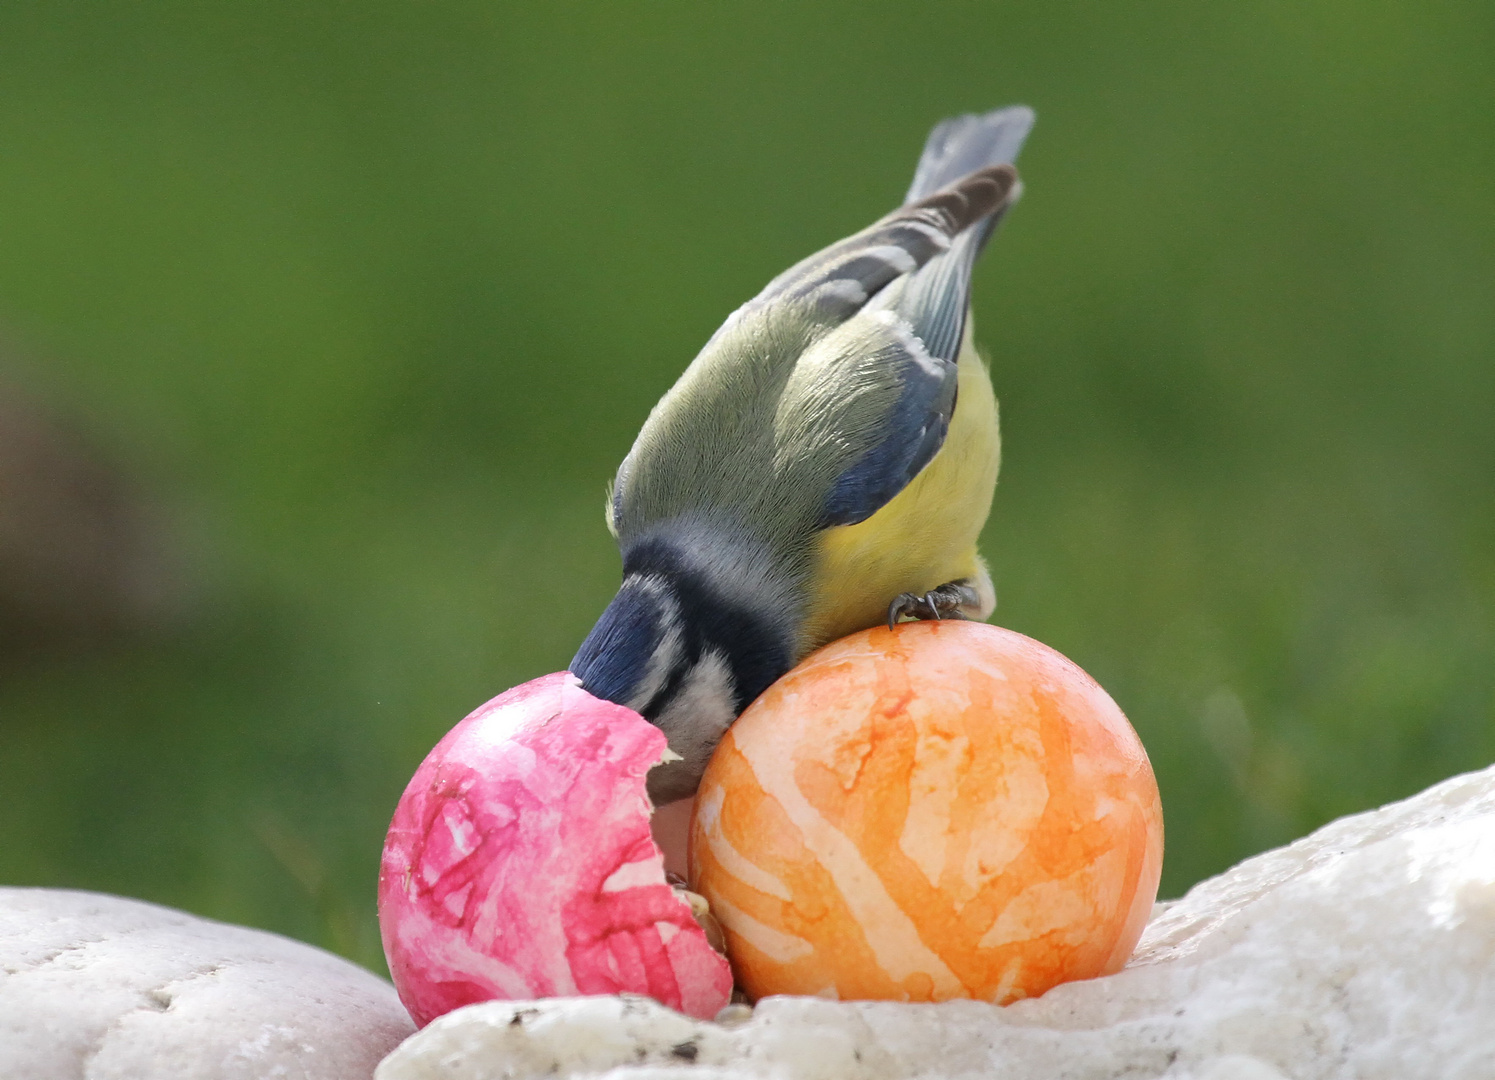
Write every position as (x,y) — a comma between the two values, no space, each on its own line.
(360,304)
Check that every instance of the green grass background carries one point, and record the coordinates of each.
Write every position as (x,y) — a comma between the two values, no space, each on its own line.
(375,295)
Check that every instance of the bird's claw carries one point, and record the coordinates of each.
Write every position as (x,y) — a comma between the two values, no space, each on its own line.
(949,601)
(913,605)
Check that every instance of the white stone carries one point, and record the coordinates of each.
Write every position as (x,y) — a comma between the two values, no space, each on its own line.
(1365,951)
(96,987)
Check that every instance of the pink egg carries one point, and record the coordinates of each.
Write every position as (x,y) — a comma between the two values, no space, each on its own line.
(519,864)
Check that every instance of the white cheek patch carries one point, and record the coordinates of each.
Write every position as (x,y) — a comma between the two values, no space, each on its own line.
(702,710)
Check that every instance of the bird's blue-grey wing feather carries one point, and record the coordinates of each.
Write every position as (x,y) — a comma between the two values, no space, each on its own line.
(932,304)
(912,431)
(850,272)
(934,301)
(841,278)
(845,275)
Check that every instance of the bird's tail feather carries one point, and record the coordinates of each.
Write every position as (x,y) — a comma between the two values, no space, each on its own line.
(934,299)
(960,145)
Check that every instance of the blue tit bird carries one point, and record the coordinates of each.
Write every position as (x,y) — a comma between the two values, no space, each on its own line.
(824,464)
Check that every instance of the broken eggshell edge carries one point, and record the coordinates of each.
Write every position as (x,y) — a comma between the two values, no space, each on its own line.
(520,864)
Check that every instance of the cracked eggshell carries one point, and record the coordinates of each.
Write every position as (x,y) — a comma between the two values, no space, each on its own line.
(941,810)
(519,864)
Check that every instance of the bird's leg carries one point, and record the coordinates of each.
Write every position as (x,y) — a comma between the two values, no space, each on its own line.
(949,601)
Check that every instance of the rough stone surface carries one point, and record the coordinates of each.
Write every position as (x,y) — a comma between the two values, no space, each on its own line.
(100,987)
(1364,951)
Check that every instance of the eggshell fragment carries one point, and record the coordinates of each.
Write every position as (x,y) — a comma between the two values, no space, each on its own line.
(941,810)
(519,864)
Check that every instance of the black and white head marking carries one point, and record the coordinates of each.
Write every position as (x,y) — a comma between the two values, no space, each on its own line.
(686,646)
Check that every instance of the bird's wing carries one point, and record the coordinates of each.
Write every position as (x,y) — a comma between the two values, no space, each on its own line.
(928,308)
(843,277)
(964,177)
(887,397)
(848,356)
(885,383)
(806,320)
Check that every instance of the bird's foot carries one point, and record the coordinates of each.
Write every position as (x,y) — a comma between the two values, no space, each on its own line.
(950,601)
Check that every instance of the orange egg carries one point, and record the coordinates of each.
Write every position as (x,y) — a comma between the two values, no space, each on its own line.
(941,810)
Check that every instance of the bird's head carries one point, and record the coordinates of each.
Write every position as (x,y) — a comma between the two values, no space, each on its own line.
(688,642)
